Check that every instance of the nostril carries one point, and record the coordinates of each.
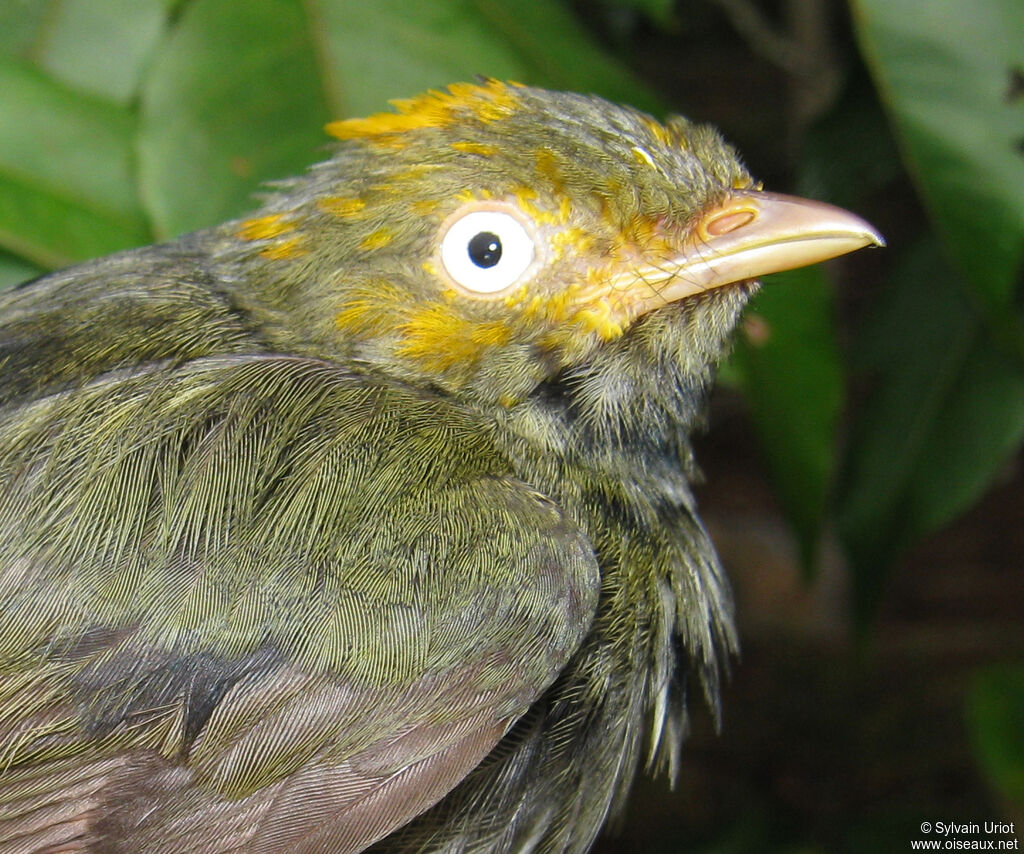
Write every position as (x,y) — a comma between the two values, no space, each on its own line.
(728,222)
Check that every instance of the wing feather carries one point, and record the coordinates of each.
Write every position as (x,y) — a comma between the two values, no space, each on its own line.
(262,604)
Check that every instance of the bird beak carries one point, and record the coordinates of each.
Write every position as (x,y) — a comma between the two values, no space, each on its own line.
(752,234)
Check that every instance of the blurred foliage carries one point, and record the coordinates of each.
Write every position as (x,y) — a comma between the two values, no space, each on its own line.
(127,121)
(995,712)
(950,402)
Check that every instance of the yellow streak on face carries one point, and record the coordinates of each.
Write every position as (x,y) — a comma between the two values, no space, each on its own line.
(573,239)
(480,148)
(439,338)
(377,239)
(641,237)
(293,247)
(549,169)
(525,198)
(587,323)
(576,309)
(416,172)
(423,207)
(599,318)
(491,101)
(376,309)
(265,227)
(488,102)
(468,195)
(553,308)
(643,157)
(341,207)
(662,133)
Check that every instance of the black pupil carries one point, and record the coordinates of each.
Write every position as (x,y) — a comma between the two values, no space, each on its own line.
(485,249)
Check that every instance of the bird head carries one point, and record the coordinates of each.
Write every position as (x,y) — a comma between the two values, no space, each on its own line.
(490,238)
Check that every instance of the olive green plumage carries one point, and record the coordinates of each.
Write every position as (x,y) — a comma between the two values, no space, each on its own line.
(296,535)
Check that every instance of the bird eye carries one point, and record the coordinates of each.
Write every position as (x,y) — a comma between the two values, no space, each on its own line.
(486,251)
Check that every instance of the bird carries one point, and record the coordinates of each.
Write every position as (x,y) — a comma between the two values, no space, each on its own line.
(366,521)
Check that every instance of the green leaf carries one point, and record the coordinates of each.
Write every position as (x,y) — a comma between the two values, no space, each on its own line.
(239,92)
(66,172)
(101,46)
(849,154)
(430,45)
(14,271)
(788,364)
(793,381)
(560,53)
(20,24)
(235,97)
(661,11)
(947,411)
(534,41)
(433,44)
(949,73)
(995,718)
